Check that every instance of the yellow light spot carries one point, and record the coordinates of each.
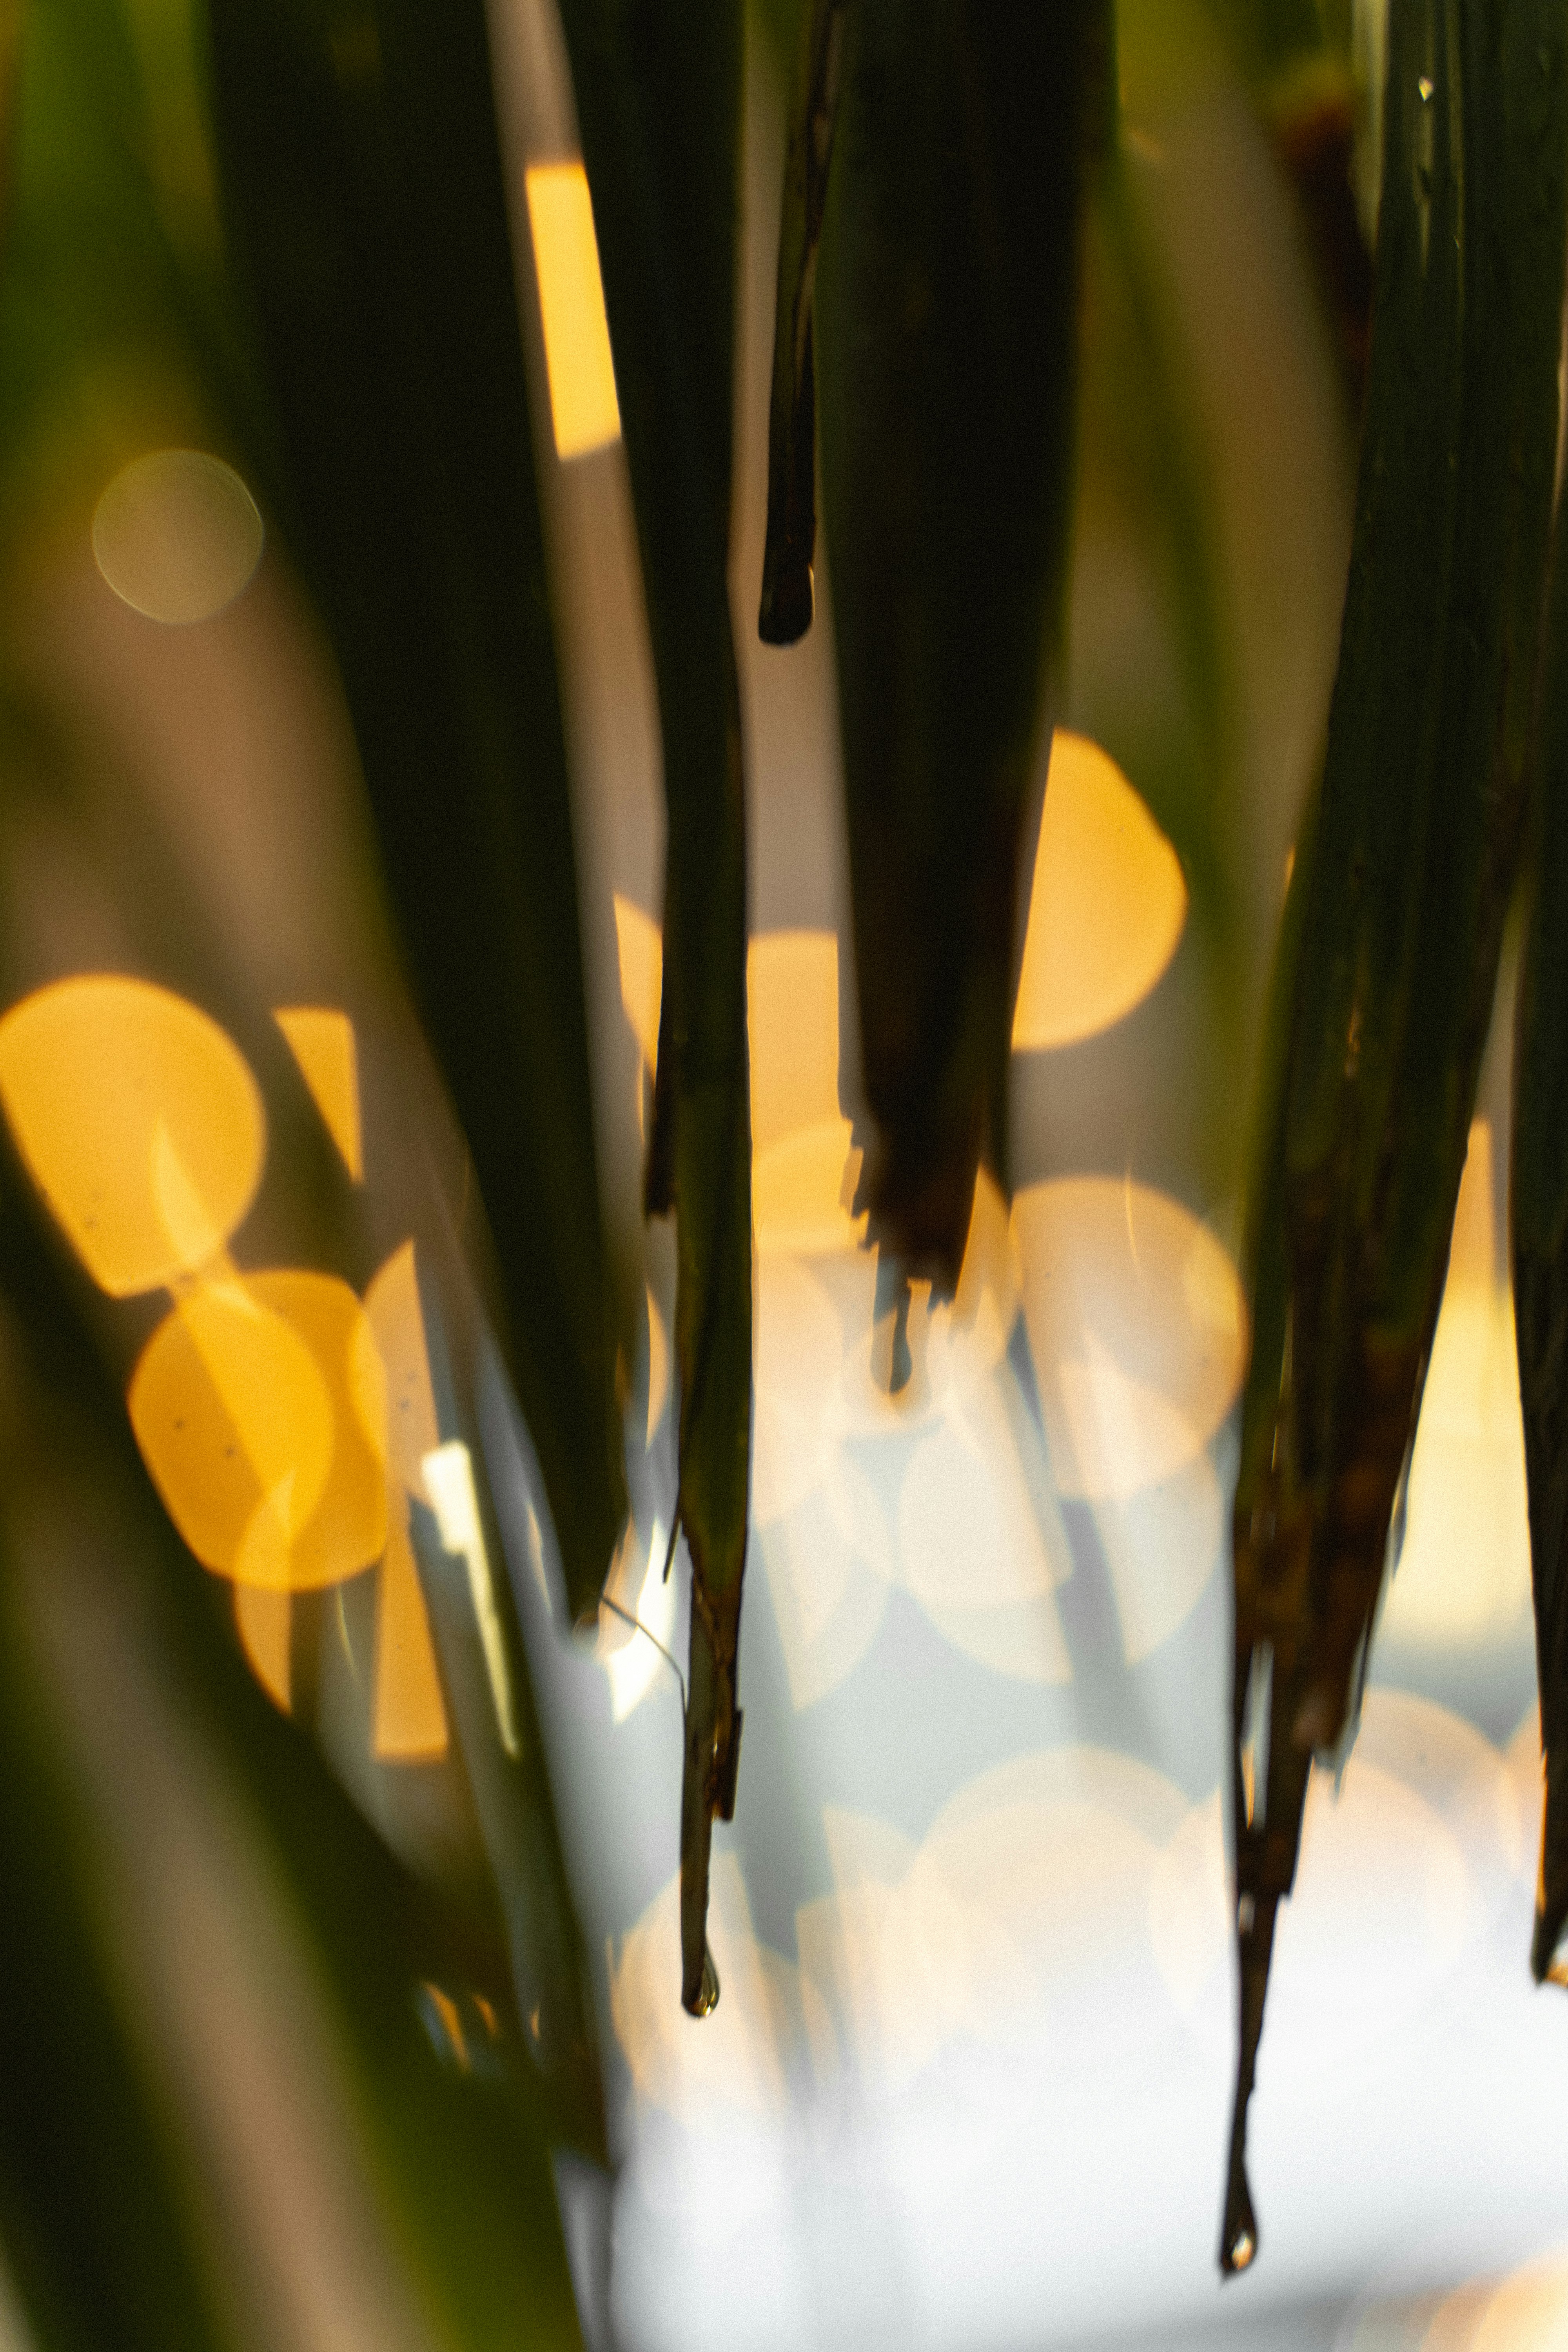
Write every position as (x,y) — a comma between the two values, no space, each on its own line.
(323,1043)
(640,948)
(392,1305)
(1106,907)
(802,1179)
(577,359)
(264,1619)
(659,1368)
(177,535)
(259,1406)
(410,1717)
(792,1022)
(1464,1575)
(193,1234)
(805,1166)
(802,1188)
(1526,2312)
(139,1122)
(1137,1327)
(449,1482)
(1472,1249)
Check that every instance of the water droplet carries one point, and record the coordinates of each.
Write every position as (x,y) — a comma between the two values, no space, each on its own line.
(708,1998)
(1238,2238)
(1423,88)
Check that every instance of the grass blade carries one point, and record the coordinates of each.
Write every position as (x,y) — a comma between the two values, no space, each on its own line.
(658,107)
(1417,840)
(787,594)
(946,337)
(458,2163)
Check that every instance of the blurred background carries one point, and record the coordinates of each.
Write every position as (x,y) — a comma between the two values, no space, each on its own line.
(306,2036)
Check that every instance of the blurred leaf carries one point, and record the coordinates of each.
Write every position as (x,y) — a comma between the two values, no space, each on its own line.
(787,604)
(307,1212)
(1298,58)
(91,2212)
(658,87)
(459,2163)
(361,170)
(1417,839)
(1141,419)
(1539,1220)
(946,332)
(1269,38)
(510,1777)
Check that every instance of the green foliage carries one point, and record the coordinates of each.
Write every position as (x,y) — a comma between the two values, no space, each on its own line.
(363,182)
(98,2218)
(1415,850)
(946,353)
(319,280)
(658,95)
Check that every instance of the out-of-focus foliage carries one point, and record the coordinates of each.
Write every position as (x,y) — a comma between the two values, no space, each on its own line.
(122,326)
(363,187)
(278,232)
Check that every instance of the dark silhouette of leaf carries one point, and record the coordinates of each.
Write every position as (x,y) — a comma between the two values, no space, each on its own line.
(1416,849)
(1539,1219)
(363,184)
(459,2162)
(788,602)
(658,88)
(945,339)
(310,1213)
(96,2238)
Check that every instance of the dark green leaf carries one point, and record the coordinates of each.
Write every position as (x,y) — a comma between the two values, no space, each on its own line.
(361,170)
(787,597)
(946,334)
(1416,845)
(1540,1236)
(96,2229)
(658,87)
(459,2163)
